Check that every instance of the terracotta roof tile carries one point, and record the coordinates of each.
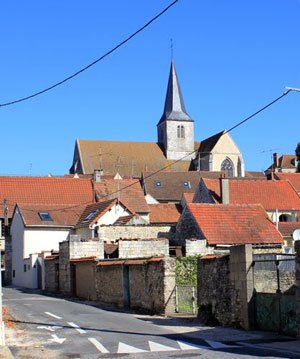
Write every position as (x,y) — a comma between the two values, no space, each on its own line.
(131,193)
(235,224)
(287,228)
(293,178)
(62,216)
(83,259)
(45,190)
(170,186)
(164,213)
(270,194)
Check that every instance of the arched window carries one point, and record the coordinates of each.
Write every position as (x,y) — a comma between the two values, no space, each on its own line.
(180,132)
(285,218)
(227,167)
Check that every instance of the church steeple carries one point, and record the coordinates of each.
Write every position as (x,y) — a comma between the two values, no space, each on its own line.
(174,105)
(175,130)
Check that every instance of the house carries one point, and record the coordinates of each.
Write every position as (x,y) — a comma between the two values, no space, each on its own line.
(165,187)
(175,149)
(287,229)
(278,198)
(36,229)
(206,228)
(38,190)
(293,178)
(284,164)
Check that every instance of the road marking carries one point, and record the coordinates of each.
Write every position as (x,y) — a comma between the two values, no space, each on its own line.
(56,339)
(124,348)
(156,347)
(75,326)
(189,346)
(53,315)
(98,345)
(51,328)
(219,345)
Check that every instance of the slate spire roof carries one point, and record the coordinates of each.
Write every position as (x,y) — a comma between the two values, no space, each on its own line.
(174,105)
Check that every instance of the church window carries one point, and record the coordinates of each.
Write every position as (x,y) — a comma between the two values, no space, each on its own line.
(227,167)
(180,132)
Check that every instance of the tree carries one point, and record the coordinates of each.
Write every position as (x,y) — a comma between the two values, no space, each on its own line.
(297,151)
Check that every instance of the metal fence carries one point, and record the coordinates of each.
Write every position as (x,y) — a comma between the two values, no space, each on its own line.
(186,299)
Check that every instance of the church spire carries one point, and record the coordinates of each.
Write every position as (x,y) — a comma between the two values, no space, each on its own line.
(174,105)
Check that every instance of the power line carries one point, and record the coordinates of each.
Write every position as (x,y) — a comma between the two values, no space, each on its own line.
(173,163)
(94,62)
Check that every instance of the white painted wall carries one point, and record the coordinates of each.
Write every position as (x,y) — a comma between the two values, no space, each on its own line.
(30,241)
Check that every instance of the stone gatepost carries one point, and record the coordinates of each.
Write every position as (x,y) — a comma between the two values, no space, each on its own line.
(241,278)
(297,251)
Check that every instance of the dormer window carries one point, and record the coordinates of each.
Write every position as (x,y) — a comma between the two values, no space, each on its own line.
(187,184)
(157,183)
(180,132)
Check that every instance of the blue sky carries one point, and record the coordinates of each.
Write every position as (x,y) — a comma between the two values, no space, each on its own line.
(232,57)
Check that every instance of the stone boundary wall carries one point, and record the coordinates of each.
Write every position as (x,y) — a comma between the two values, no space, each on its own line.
(51,275)
(147,285)
(143,248)
(114,233)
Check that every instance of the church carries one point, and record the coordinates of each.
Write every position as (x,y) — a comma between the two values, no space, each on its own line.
(175,149)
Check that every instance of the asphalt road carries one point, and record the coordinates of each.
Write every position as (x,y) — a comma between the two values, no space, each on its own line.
(69,329)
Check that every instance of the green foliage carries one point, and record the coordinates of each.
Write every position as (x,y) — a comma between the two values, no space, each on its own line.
(297,151)
(186,270)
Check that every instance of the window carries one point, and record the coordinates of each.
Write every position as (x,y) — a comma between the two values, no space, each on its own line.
(187,184)
(158,184)
(180,132)
(285,218)
(227,167)
(14,273)
(90,216)
(45,216)
(25,267)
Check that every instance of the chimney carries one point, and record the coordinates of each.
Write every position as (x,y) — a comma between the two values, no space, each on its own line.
(275,160)
(97,175)
(224,182)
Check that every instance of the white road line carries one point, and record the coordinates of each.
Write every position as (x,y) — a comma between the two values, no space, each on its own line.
(98,345)
(189,346)
(75,326)
(156,347)
(126,349)
(53,315)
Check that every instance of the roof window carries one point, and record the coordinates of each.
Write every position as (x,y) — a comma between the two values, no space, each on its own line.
(45,216)
(90,216)
(187,184)
(157,183)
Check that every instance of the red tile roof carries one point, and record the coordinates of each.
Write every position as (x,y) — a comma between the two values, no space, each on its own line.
(234,224)
(62,216)
(287,228)
(164,213)
(131,193)
(83,259)
(294,179)
(189,197)
(287,161)
(270,194)
(45,190)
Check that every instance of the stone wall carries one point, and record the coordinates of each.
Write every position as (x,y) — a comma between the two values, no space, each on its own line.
(225,288)
(149,286)
(74,248)
(297,250)
(143,248)
(51,275)
(197,246)
(113,233)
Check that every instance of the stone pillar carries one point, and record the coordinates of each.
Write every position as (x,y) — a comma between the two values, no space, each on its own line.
(297,251)
(241,278)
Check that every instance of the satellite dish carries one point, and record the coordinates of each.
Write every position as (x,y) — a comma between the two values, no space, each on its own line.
(296,235)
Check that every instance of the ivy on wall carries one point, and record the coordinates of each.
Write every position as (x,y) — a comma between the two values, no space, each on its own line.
(186,270)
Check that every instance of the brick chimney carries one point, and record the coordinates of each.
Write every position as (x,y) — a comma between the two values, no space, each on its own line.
(275,160)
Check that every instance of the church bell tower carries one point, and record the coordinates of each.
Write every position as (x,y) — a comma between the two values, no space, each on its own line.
(176,128)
